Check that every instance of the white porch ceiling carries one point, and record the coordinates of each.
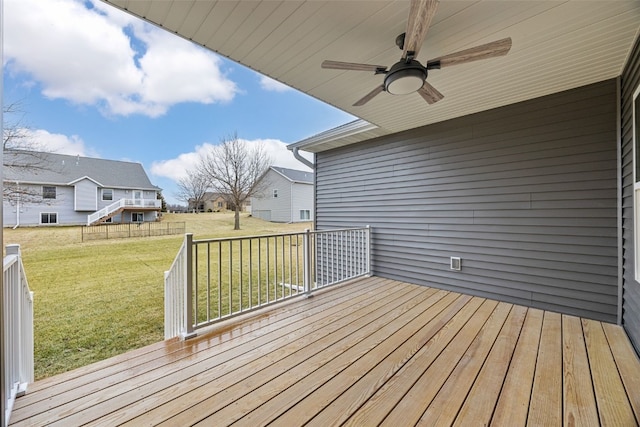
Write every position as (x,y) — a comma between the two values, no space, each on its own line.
(557,45)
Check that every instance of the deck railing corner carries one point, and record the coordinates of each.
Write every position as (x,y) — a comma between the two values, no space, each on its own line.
(214,279)
(18,329)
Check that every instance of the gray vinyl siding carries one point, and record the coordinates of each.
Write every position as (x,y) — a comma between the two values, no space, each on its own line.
(62,205)
(526,195)
(269,208)
(86,195)
(65,206)
(301,199)
(630,81)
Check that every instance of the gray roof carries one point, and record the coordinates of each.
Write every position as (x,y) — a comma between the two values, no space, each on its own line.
(60,169)
(295,175)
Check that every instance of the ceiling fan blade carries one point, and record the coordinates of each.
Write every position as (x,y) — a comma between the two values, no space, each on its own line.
(430,93)
(484,51)
(354,66)
(420,14)
(368,97)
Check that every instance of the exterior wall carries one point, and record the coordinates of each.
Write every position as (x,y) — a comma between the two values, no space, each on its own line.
(29,213)
(215,205)
(526,195)
(117,195)
(126,216)
(265,206)
(301,199)
(65,204)
(86,196)
(630,82)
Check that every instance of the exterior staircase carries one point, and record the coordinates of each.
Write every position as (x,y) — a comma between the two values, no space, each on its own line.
(121,205)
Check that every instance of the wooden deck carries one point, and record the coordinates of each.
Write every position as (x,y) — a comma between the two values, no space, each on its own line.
(372,352)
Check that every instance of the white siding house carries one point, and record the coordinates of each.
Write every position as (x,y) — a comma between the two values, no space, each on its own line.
(56,189)
(286,195)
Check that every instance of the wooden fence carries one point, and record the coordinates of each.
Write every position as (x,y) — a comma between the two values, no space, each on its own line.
(123,231)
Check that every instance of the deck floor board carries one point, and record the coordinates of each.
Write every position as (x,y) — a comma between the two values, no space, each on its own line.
(370,352)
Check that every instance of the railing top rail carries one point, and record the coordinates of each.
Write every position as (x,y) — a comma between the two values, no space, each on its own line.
(333,230)
(9,260)
(262,236)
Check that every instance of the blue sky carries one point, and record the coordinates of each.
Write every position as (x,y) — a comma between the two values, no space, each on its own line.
(97,82)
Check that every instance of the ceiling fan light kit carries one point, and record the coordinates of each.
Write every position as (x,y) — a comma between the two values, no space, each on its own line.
(405,78)
(408,75)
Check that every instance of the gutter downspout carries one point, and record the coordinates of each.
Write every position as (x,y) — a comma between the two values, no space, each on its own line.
(17,207)
(306,162)
(301,159)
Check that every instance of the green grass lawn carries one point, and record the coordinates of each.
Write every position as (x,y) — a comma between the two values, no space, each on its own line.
(97,299)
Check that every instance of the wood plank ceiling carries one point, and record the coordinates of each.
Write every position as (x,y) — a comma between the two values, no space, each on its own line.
(557,45)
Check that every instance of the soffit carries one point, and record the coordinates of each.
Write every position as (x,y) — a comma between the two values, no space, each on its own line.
(557,45)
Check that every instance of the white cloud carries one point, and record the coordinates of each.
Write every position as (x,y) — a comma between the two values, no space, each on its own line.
(177,168)
(101,65)
(42,140)
(267,83)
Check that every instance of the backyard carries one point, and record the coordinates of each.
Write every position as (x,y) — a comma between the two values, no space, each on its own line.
(96,299)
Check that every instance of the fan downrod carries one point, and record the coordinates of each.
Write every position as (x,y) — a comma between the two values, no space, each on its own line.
(400,41)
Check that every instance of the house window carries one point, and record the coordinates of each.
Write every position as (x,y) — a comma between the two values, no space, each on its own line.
(48,218)
(48,192)
(137,217)
(636,185)
(107,194)
(275,194)
(219,204)
(305,214)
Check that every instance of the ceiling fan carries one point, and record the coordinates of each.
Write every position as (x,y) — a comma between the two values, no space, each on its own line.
(408,75)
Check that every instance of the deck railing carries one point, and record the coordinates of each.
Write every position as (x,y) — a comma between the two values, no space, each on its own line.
(215,279)
(18,333)
(132,229)
(123,203)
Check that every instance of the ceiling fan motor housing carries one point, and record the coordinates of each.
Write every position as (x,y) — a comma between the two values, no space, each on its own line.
(405,77)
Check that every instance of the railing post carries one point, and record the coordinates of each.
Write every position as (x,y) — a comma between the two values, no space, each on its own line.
(13,250)
(188,288)
(307,260)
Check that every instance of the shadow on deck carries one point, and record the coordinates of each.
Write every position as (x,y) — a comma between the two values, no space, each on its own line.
(373,351)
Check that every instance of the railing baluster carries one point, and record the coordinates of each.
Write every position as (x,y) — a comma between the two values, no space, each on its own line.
(230,309)
(196,294)
(219,279)
(208,281)
(250,273)
(275,268)
(282,270)
(188,273)
(259,271)
(241,284)
(268,270)
(291,284)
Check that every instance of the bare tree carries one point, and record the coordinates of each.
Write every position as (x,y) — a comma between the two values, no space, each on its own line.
(233,169)
(21,153)
(192,188)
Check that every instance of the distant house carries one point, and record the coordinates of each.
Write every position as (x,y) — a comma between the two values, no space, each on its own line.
(216,202)
(56,189)
(286,195)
